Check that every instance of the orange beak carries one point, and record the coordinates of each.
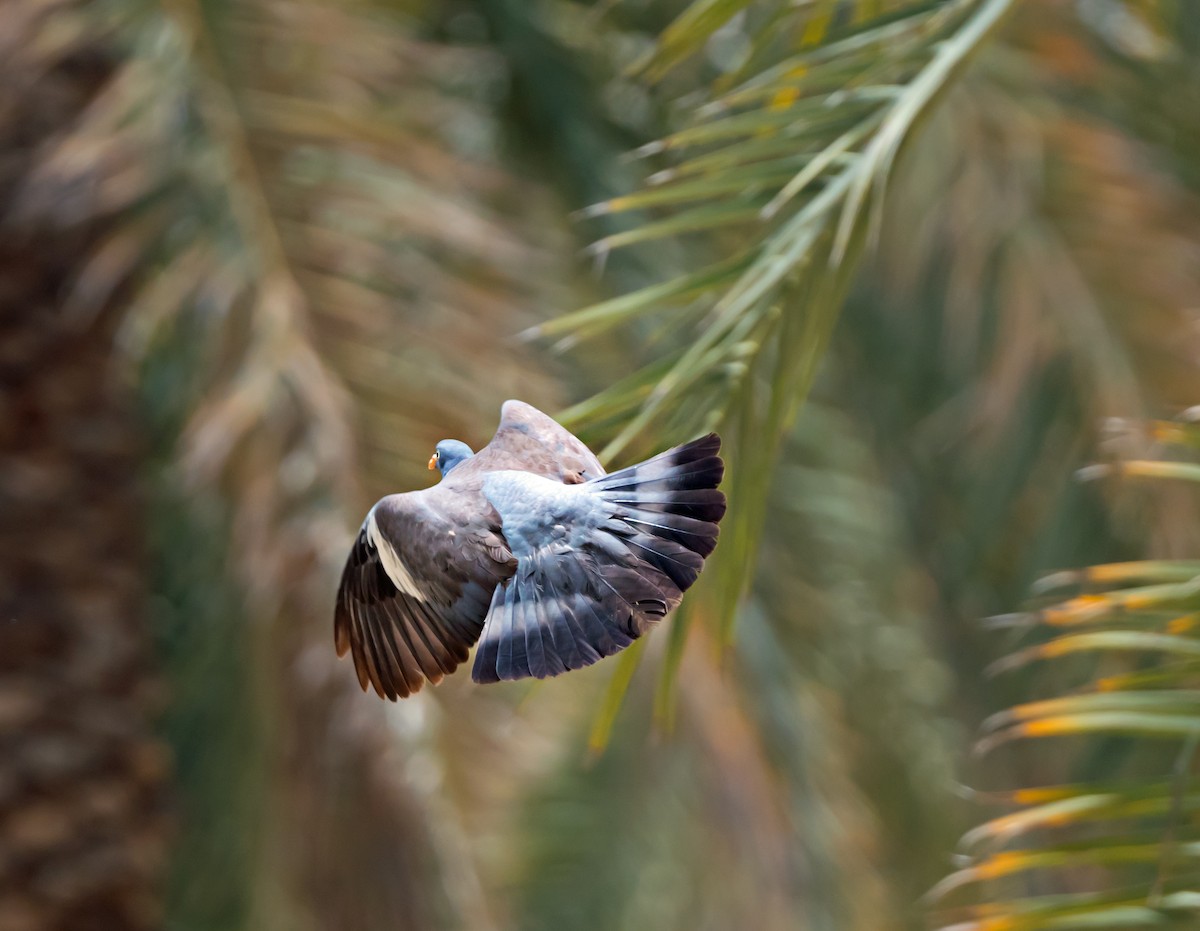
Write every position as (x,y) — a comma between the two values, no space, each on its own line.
(433,462)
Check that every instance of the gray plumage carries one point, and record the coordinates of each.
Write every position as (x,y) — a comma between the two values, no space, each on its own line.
(529,547)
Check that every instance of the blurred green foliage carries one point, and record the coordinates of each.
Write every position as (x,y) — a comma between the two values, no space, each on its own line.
(918,260)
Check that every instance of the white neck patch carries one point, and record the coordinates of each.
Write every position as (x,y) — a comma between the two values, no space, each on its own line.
(392,564)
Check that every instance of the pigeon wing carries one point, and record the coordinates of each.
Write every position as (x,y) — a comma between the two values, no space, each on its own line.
(597,563)
(416,588)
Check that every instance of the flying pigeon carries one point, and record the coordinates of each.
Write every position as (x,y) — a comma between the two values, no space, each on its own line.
(528,547)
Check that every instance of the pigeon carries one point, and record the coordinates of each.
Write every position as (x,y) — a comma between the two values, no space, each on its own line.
(529,548)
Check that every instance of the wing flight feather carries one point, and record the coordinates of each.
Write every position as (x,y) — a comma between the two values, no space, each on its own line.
(413,595)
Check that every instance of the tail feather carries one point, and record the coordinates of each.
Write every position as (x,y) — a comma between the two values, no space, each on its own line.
(702,504)
(693,465)
(688,532)
(676,562)
(704,474)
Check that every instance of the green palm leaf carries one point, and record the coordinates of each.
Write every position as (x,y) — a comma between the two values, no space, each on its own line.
(1136,833)
(778,168)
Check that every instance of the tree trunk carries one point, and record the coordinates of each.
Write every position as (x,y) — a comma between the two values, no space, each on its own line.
(81,773)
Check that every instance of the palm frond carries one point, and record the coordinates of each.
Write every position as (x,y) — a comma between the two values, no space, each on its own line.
(304,202)
(291,213)
(1122,651)
(777,169)
(792,150)
(735,814)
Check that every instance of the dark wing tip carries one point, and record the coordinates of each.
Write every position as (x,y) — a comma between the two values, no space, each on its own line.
(341,625)
(397,642)
(699,448)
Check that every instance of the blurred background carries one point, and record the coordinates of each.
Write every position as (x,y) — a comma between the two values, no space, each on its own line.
(918,261)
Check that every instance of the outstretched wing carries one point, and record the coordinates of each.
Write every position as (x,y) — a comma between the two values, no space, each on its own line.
(415,590)
(598,563)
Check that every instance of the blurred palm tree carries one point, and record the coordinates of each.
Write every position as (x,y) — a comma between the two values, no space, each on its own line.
(324,223)
(287,240)
(82,827)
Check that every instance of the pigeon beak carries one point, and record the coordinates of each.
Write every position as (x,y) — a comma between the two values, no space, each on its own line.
(433,462)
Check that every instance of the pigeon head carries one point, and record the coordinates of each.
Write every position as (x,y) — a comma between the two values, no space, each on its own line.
(448,454)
